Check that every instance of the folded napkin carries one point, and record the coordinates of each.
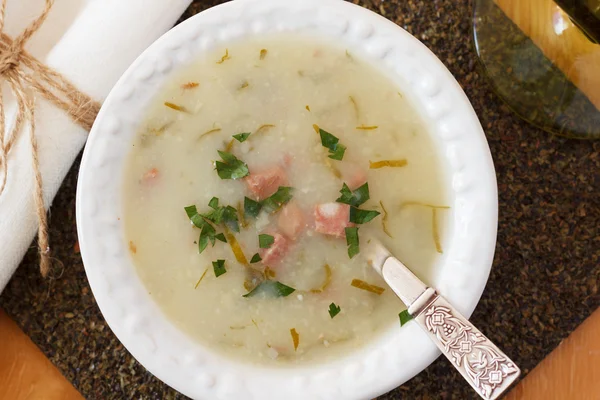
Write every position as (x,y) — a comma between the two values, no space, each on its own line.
(91,43)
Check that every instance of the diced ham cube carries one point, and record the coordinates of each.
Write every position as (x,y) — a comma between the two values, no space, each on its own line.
(353,175)
(332,219)
(150,175)
(275,253)
(264,183)
(291,220)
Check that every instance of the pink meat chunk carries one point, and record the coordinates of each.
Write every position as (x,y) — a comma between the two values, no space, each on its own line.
(263,184)
(150,176)
(332,219)
(291,221)
(275,253)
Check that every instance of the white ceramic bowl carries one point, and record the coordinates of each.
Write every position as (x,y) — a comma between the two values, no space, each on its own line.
(396,355)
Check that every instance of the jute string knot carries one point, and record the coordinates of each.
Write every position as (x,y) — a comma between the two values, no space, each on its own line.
(26,77)
(10,58)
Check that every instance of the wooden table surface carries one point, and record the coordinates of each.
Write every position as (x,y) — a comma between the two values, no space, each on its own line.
(571,371)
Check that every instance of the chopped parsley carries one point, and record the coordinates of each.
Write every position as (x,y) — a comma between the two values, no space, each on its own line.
(277,199)
(222,215)
(270,204)
(359,216)
(214,203)
(207,234)
(336,149)
(265,241)
(352,241)
(271,288)
(334,310)
(207,222)
(404,317)
(241,137)
(251,207)
(193,215)
(231,167)
(255,258)
(354,198)
(219,267)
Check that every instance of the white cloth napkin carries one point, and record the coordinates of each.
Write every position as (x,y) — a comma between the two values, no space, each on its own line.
(91,42)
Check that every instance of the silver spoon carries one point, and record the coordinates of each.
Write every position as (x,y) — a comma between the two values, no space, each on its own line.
(487,369)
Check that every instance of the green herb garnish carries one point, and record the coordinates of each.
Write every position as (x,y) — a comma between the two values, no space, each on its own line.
(231,167)
(207,231)
(241,137)
(214,203)
(219,215)
(207,234)
(265,241)
(404,317)
(193,215)
(352,241)
(334,310)
(255,258)
(277,199)
(338,154)
(354,198)
(359,216)
(251,207)
(219,267)
(223,215)
(336,149)
(271,288)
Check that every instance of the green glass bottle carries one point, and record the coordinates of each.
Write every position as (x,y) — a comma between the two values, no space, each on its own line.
(543,58)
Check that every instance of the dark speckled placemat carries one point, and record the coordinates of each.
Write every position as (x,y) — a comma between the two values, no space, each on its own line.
(543,284)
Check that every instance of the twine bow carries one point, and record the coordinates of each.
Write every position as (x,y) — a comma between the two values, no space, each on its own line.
(27,76)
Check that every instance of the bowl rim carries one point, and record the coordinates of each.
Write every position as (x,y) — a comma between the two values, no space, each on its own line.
(385,363)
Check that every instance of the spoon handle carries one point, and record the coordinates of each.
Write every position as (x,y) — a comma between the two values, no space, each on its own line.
(487,369)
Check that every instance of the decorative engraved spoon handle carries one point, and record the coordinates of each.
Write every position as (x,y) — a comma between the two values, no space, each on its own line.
(479,361)
(489,371)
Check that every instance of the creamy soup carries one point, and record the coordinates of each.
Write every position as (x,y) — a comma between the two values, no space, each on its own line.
(258,175)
